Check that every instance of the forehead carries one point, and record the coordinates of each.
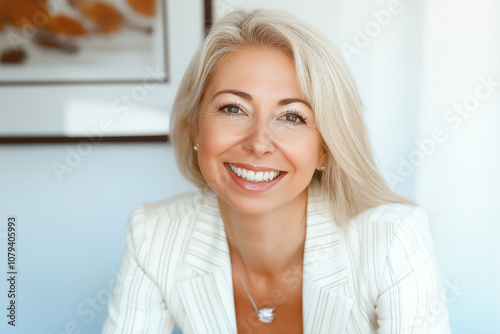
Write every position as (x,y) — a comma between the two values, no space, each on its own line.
(253,67)
(256,54)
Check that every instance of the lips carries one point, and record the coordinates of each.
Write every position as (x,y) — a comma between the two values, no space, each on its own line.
(254,176)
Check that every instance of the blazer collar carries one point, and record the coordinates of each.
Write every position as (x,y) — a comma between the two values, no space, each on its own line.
(324,308)
(208,296)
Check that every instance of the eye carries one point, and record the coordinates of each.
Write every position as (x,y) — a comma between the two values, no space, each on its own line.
(231,109)
(295,118)
(292,118)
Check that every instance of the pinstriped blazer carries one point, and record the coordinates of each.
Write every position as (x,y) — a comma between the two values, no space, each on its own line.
(378,275)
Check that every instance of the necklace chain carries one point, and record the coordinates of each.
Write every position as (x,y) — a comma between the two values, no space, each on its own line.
(266,315)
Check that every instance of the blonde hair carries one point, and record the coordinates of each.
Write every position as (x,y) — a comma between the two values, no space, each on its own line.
(351,180)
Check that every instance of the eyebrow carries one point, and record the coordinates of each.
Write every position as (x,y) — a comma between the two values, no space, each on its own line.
(243,95)
(284,102)
(248,97)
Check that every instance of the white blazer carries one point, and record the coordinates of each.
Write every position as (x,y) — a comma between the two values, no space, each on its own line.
(377,275)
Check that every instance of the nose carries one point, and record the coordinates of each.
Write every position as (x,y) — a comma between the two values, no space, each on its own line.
(259,140)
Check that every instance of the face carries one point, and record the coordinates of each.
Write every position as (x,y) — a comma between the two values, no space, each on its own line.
(258,143)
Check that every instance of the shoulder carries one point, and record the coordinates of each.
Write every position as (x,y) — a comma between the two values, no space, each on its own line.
(164,222)
(385,223)
(396,238)
(391,217)
(178,204)
(391,233)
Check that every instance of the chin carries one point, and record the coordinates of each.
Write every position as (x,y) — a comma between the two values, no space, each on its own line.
(248,206)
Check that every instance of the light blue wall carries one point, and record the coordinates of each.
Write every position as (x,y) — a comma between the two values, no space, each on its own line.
(71,232)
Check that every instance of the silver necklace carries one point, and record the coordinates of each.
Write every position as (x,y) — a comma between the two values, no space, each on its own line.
(266,314)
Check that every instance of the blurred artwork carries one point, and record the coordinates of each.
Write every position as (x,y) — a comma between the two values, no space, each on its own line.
(58,41)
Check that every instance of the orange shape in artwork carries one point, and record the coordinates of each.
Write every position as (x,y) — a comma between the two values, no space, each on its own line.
(107,18)
(19,13)
(65,25)
(144,7)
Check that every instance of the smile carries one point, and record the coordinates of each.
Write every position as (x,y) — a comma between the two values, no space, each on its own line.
(253,176)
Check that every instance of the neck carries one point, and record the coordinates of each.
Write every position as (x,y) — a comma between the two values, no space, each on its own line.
(270,243)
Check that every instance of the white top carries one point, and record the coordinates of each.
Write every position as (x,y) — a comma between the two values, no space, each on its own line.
(377,275)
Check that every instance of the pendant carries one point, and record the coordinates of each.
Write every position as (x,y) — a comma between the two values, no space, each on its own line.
(266,315)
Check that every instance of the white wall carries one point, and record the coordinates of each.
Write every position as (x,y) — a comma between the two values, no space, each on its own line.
(459,183)
(427,57)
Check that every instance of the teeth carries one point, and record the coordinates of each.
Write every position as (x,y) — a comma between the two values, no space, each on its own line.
(259,176)
(250,175)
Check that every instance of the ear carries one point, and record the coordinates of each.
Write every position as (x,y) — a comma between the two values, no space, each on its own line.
(194,134)
(322,158)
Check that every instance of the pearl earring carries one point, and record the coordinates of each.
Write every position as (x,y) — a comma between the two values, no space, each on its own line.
(195,147)
(323,168)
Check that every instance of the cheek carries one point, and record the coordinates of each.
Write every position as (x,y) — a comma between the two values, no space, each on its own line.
(214,139)
(302,150)
(209,144)
(215,136)
(208,164)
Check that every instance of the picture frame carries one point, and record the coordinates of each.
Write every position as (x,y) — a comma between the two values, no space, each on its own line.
(33,110)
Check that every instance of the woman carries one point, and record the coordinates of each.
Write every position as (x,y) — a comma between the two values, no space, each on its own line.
(294,230)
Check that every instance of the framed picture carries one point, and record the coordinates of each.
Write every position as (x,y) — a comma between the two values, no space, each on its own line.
(107,69)
(82,41)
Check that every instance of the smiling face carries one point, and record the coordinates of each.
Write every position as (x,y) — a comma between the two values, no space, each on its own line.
(258,143)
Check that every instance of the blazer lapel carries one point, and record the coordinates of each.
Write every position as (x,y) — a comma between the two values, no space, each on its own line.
(208,295)
(325,274)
